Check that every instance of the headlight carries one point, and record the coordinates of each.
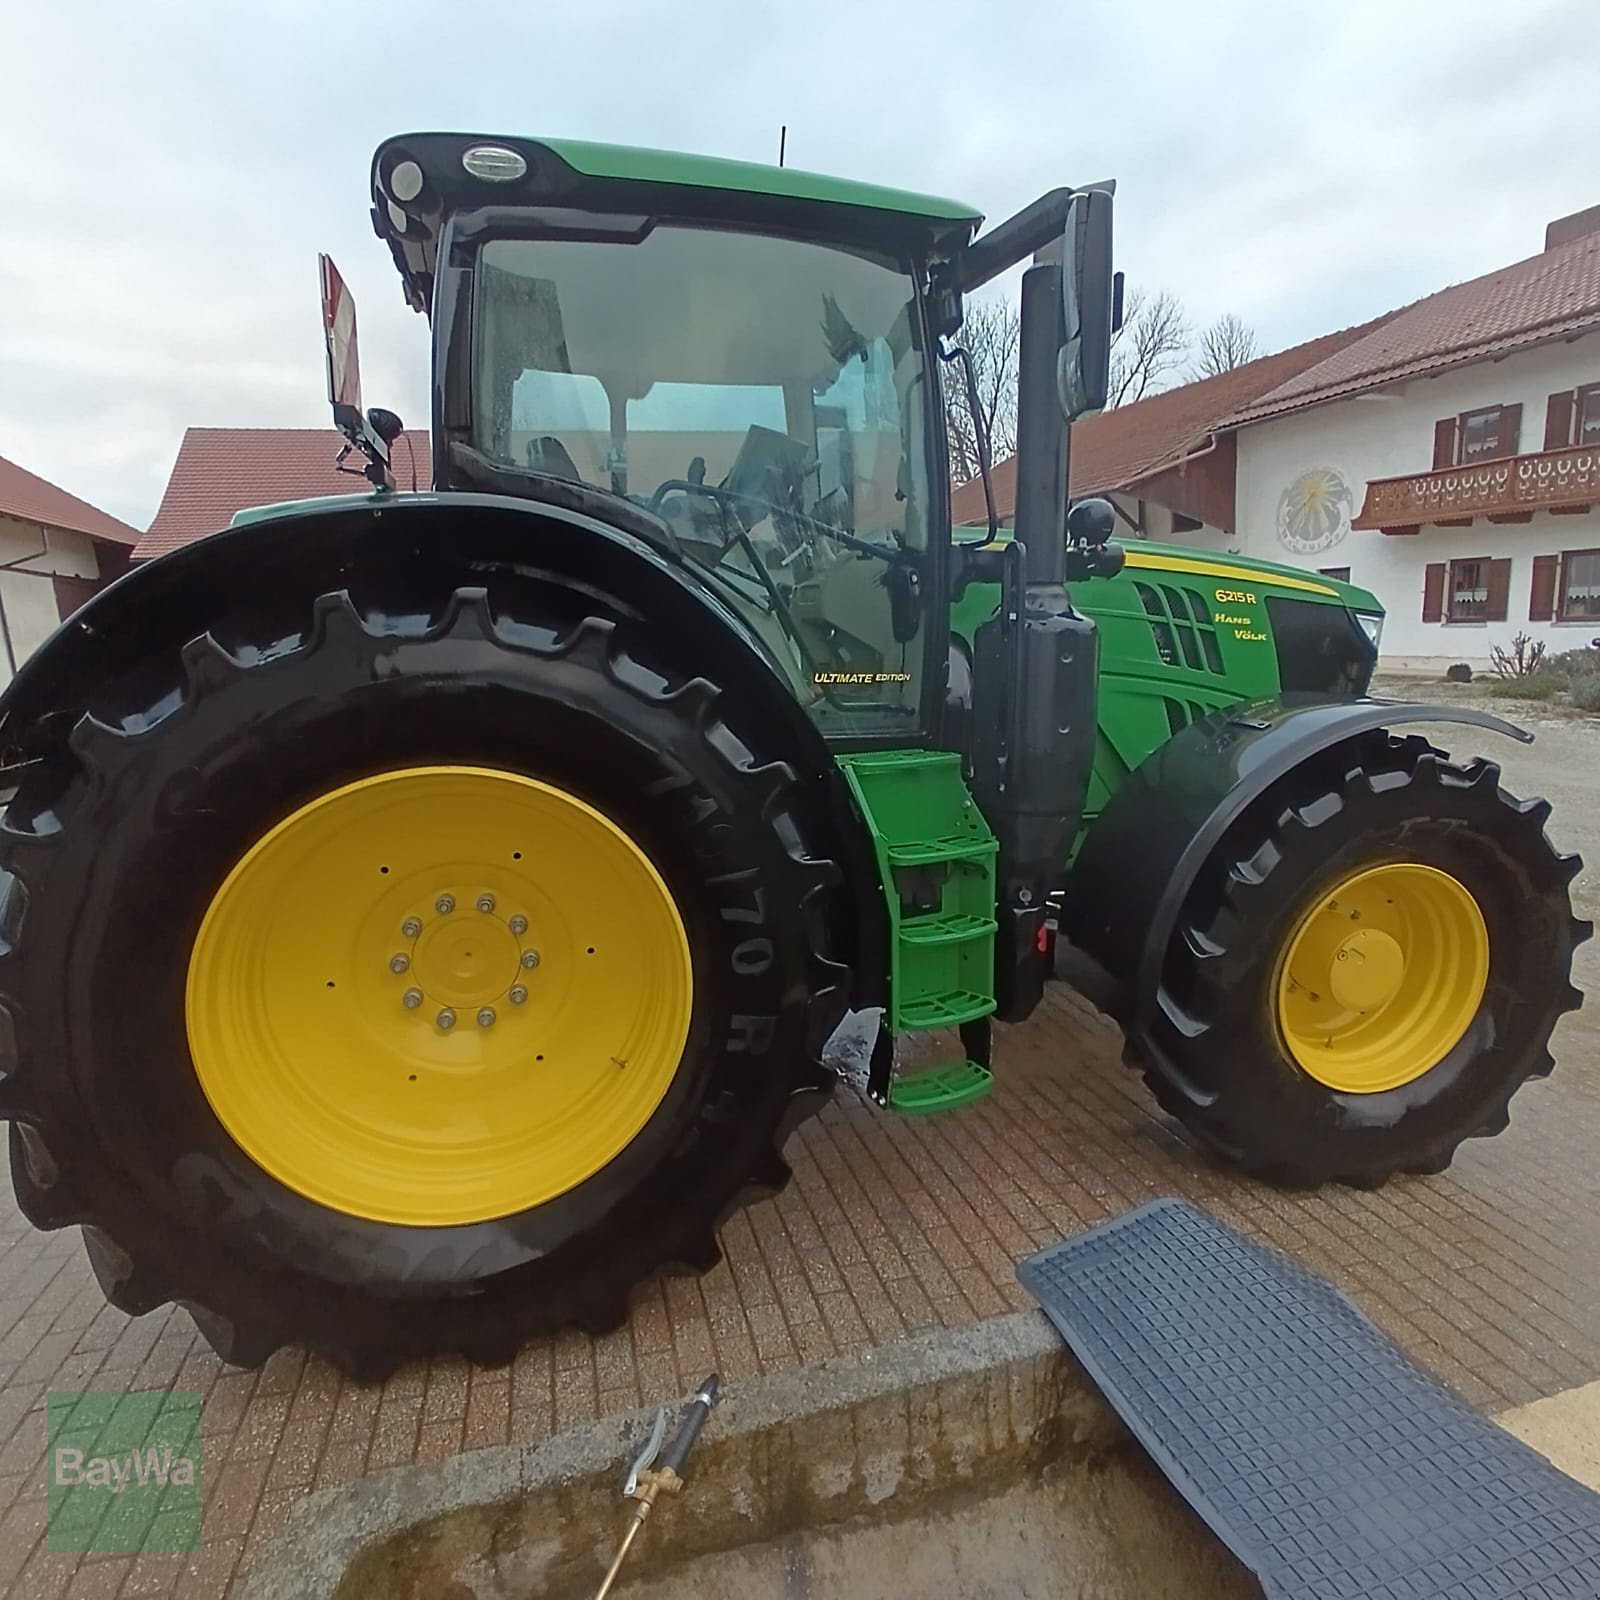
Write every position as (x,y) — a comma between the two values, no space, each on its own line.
(494,163)
(1371,623)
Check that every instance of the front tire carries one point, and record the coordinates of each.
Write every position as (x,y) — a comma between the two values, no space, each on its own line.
(130,1039)
(1252,1049)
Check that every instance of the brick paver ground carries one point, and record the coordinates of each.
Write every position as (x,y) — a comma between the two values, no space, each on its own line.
(1490,1274)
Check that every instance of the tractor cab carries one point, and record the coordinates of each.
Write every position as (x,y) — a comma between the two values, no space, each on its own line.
(745,357)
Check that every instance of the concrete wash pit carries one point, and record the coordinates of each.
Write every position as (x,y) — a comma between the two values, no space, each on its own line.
(975,1463)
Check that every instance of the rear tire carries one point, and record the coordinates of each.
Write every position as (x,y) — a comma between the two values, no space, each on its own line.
(117,845)
(1217,1057)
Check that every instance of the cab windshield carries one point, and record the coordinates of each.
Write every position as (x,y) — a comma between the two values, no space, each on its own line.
(767,398)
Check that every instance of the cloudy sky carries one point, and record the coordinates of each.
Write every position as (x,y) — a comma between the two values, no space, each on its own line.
(169,170)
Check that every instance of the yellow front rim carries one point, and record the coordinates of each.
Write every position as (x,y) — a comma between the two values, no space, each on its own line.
(439,995)
(1382,977)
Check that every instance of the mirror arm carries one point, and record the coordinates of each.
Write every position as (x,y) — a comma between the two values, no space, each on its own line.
(1015,239)
(1032,229)
(361,434)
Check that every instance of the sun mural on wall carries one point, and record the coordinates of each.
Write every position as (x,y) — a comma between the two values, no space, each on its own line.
(1314,511)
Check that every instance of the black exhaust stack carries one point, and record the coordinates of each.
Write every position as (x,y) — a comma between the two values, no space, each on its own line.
(1036,661)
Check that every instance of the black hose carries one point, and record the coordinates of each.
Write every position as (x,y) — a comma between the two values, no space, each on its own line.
(676,1452)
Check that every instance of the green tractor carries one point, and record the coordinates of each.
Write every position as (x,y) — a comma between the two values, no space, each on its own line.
(425,915)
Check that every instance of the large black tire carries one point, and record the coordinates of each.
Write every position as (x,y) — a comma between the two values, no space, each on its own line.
(1231,1079)
(112,849)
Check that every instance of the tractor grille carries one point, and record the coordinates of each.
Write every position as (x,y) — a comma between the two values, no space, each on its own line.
(1180,622)
(1180,713)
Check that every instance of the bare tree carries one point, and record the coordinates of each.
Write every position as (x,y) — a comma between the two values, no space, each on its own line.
(1226,344)
(1148,348)
(991,331)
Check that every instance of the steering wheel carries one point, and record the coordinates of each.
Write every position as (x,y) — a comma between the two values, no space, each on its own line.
(691,487)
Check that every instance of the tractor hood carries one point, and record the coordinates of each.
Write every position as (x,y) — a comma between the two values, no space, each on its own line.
(419,179)
(1246,570)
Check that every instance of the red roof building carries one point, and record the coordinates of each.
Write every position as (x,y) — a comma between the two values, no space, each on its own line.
(223,470)
(1152,449)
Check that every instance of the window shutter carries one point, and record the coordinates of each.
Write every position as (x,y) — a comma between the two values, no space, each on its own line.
(1498,599)
(1542,596)
(1433,592)
(1444,443)
(1558,421)
(1508,431)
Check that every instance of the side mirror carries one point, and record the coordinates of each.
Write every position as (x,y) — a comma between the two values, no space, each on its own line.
(370,432)
(1089,295)
(344,360)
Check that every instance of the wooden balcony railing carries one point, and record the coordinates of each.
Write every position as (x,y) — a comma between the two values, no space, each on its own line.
(1510,488)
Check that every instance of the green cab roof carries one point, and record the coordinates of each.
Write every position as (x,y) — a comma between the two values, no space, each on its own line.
(419,179)
(751,177)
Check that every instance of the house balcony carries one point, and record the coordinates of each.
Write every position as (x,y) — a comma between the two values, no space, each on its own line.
(1508,490)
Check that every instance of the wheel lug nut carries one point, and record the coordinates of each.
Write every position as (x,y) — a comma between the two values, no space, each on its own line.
(517,995)
(411,999)
(530,959)
(518,925)
(446,1018)
(486,903)
(411,927)
(486,1017)
(399,961)
(445,904)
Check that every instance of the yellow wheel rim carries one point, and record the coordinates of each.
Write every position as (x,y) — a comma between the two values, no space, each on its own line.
(1382,977)
(439,995)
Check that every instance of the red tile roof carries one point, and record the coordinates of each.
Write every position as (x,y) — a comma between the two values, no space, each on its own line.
(30,498)
(1552,295)
(1118,448)
(222,470)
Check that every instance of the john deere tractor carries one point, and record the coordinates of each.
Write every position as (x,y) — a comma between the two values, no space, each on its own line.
(425,914)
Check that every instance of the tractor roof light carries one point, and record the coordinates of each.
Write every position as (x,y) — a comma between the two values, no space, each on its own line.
(405,181)
(494,163)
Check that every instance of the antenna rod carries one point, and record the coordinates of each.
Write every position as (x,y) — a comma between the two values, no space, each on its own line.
(783,140)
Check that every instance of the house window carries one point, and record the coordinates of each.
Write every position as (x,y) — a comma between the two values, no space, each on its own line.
(1572,418)
(1341,573)
(1468,594)
(1486,434)
(1578,593)
(1477,589)
(1587,429)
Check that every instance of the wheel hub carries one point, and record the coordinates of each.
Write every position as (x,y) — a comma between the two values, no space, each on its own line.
(439,995)
(467,959)
(1382,977)
(1367,970)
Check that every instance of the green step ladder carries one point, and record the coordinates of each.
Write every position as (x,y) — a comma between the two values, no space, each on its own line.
(936,860)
